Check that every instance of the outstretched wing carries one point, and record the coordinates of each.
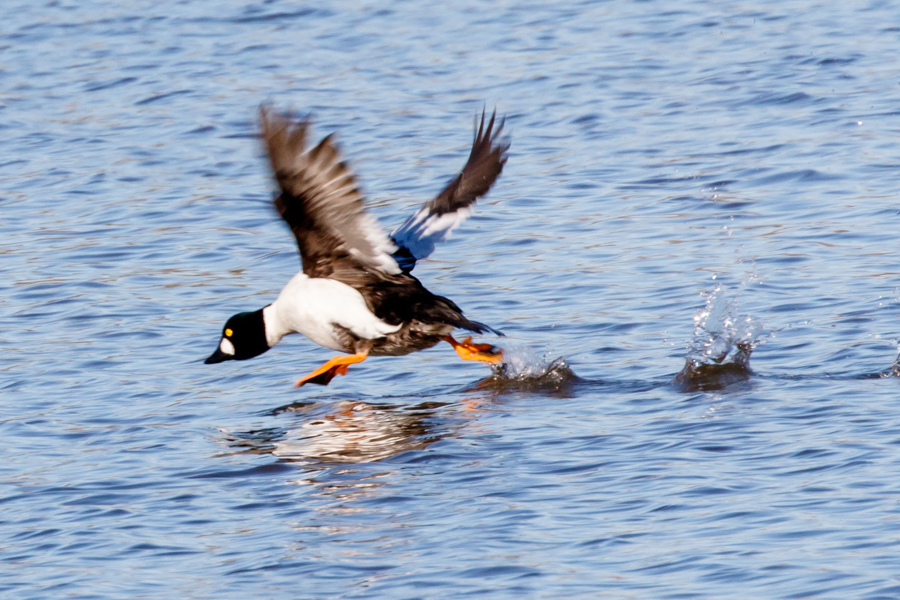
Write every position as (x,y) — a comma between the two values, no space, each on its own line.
(433,222)
(322,204)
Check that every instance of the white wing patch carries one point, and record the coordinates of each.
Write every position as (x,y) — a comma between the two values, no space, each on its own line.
(376,240)
(424,229)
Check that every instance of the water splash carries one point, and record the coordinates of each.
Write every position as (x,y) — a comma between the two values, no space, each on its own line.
(524,370)
(895,368)
(719,351)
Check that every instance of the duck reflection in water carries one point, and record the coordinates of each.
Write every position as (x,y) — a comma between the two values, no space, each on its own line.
(356,431)
(352,431)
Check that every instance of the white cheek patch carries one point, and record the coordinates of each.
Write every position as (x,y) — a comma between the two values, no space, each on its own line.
(226,347)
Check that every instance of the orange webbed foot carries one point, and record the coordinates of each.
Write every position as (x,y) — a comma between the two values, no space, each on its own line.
(468,350)
(334,367)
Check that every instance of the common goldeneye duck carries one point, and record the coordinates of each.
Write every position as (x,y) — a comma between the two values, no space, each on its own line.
(355,293)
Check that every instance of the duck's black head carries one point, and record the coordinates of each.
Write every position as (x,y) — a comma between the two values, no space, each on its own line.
(243,337)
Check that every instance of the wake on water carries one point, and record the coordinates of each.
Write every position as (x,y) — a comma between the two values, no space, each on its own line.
(718,354)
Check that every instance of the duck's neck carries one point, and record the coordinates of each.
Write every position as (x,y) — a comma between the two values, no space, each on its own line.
(275,328)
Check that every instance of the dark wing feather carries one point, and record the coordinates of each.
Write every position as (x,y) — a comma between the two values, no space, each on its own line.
(485,163)
(322,204)
(435,221)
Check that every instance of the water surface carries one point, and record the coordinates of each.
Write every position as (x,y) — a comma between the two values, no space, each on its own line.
(687,185)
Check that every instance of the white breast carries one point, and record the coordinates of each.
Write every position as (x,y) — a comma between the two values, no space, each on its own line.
(312,306)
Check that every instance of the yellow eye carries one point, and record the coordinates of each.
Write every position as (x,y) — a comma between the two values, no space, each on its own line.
(228,333)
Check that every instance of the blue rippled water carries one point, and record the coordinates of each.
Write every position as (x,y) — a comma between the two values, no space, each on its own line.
(692,249)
